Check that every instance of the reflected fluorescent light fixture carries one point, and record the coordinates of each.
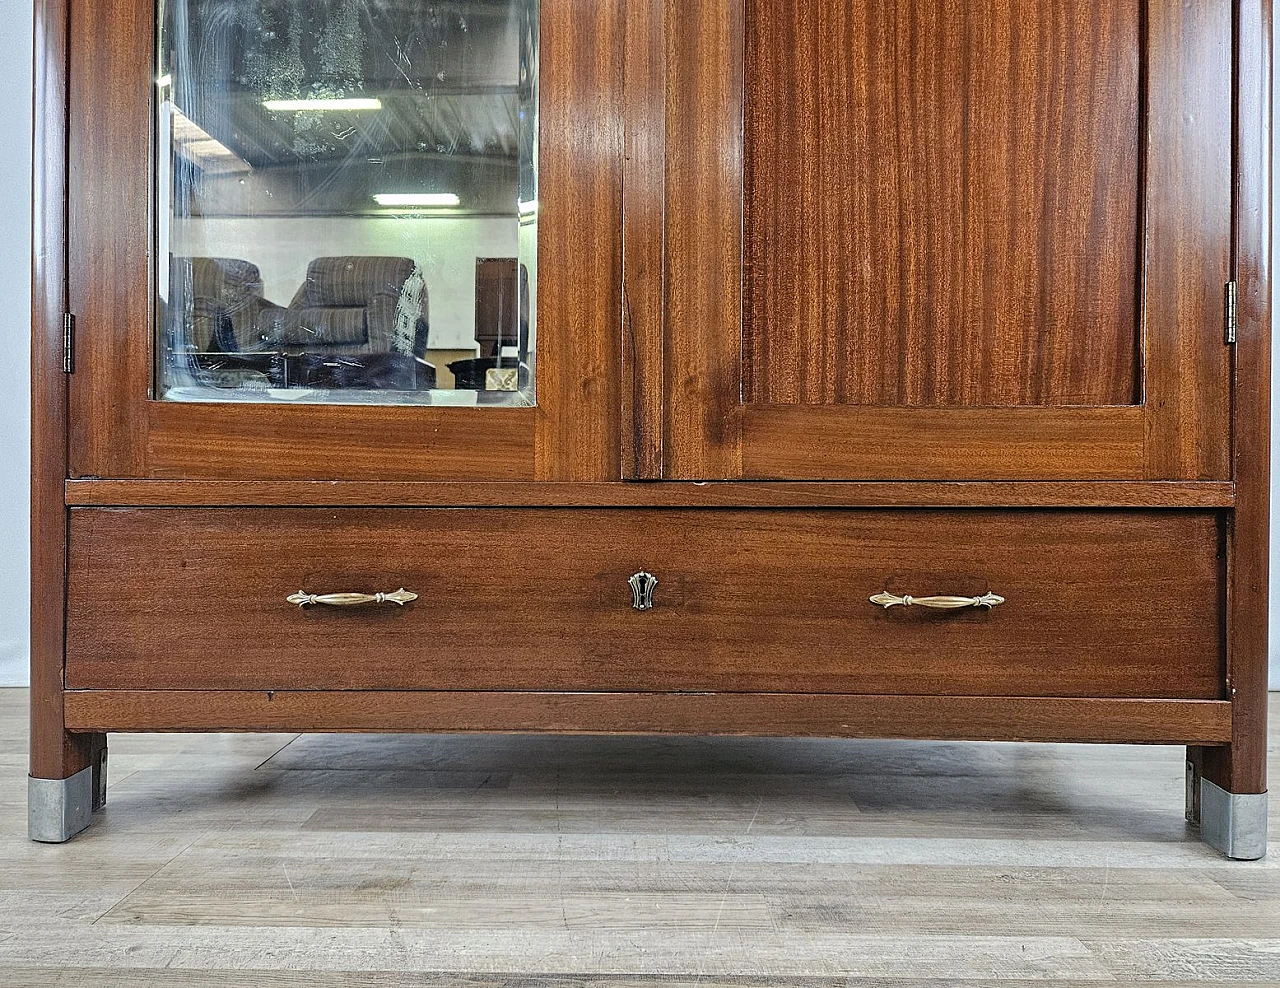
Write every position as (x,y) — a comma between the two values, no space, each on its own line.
(528,208)
(417,199)
(354,103)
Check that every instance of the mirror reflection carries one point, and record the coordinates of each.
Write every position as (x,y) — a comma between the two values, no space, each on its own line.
(347,201)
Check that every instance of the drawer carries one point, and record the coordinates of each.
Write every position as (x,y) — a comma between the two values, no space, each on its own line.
(1096,603)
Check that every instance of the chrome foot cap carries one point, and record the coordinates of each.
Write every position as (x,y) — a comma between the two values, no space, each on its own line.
(58,809)
(1233,823)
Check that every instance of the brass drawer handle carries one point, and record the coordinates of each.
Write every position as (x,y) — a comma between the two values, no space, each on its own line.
(887,600)
(304,599)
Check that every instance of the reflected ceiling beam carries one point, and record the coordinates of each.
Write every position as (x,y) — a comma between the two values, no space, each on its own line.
(324,164)
(202,149)
(389,87)
(349,103)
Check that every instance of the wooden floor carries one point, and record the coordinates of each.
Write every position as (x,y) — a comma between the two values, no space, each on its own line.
(270,860)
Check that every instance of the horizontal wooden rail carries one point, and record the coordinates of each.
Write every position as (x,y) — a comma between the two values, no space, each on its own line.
(1201,722)
(989,494)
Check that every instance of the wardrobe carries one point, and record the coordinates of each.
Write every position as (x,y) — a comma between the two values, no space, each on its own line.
(866,368)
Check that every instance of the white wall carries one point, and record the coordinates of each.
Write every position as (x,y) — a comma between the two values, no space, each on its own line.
(445,248)
(15,290)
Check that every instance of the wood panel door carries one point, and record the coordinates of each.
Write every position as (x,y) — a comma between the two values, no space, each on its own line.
(913,239)
(121,429)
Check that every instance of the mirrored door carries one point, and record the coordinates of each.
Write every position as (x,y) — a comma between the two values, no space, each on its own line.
(332,182)
(306,238)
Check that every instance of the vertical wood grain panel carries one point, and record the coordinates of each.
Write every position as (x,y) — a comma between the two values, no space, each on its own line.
(702,360)
(54,753)
(110,194)
(48,395)
(643,253)
(1242,768)
(1188,245)
(942,202)
(580,240)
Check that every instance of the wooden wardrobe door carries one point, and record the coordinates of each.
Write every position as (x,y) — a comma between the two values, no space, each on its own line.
(121,431)
(912,239)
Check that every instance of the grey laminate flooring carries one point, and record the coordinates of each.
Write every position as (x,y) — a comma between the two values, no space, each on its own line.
(268,860)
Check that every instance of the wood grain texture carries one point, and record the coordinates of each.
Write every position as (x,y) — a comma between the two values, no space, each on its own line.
(1243,767)
(702,360)
(742,494)
(1188,239)
(39,976)
(643,242)
(782,715)
(109,205)
(834,442)
(1100,604)
(580,163)
(942,202)
(54,753)
(337,442)
(1172,162)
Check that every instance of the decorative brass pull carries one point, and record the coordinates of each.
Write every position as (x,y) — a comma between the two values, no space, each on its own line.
(399,598)
(887,600)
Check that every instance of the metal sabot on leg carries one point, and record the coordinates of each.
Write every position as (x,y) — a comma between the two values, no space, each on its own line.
(1233,823)
(58,809)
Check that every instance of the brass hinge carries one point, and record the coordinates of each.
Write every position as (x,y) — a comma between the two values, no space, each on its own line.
(1231,313)
(68,343)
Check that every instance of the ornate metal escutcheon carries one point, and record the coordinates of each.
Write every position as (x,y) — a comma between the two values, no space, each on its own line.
(642,586)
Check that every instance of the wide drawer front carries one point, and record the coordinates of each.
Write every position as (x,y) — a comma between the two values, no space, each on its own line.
(1095,603)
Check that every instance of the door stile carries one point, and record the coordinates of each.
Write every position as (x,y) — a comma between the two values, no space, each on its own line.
(703,358)
(109,194)
(1188,239)
(643,242)
(577,421)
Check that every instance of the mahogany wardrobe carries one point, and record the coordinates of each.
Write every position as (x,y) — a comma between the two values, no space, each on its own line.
(832,368)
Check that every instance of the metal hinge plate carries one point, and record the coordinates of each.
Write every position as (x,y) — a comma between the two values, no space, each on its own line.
(68,343)
(1231,313)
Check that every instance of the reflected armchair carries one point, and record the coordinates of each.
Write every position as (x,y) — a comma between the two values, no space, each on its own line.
(212,313)
(356,322)
(216,304)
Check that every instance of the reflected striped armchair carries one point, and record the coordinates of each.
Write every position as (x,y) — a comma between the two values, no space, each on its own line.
(354,305)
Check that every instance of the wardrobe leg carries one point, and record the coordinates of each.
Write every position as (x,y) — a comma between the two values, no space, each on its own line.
(1231,817)
(66,786)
